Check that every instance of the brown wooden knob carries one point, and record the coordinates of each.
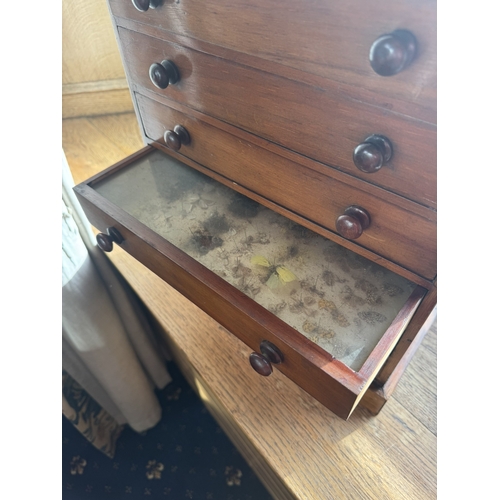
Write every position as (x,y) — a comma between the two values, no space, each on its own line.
(372,154)
(390,54)
(175,138)
(144,5)
(271,352)
(263,363)
(353,222)
(105,241)
(163,74)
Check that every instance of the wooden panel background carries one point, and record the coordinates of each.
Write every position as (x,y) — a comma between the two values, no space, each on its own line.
(93,78)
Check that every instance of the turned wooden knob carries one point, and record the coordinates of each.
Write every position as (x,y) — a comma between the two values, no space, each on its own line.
(352,222)
(144,5)
(390,54)
(372,154)
(105,241)
(263,363)
(175,138)
(271,352)
(163,74)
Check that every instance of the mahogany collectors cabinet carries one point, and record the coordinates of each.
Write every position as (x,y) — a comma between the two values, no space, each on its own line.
(288,183)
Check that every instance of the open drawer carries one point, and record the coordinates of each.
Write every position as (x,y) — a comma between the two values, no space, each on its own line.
(324,316)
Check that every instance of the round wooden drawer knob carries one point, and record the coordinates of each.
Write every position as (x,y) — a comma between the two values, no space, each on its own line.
(372,154)
(390,54)
(174,139)
(263,363)
(144,5)
(353,222)
(163,74)
(105,241)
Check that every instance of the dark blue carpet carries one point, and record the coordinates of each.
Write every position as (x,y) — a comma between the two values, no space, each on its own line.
(186,456)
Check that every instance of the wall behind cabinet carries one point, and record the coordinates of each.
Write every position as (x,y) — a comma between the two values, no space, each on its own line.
(93,77)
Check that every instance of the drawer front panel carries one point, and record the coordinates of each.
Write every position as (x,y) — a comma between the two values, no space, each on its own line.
(395,233)
(329,38)
(308,120)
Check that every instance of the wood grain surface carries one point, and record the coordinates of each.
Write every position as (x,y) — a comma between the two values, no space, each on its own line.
(320,124)
(398,234)
(92,72)
(298,448)
(328,38)
(90,51)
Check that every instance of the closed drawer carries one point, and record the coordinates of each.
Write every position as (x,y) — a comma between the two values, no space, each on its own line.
(333,316)
(329,38)
(318,124)
(396,233)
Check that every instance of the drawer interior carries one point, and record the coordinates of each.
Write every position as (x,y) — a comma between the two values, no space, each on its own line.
(337,299)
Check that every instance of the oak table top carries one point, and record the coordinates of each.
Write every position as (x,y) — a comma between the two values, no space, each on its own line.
(298,448)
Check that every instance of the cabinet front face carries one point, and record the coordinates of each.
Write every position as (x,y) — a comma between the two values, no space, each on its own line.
(323,124)
(334,315)
(395,232)
(289,185)
(328,38)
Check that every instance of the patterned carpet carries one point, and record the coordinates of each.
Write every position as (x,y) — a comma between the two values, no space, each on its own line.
(186,456)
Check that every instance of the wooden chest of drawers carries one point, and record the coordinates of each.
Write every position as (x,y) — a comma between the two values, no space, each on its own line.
(288,185)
